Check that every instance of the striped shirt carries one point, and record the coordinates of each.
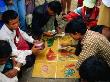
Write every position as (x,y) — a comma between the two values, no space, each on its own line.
(94,43)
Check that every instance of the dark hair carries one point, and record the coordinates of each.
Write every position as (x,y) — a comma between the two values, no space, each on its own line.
(5,49)
(98,28)
(76,26)
(78,48)
(9,15)
(95,69)
(55,6)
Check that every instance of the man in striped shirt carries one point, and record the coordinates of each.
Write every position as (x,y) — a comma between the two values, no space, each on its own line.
(92,42)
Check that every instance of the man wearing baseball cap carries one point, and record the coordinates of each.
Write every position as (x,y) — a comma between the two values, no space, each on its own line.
(89,12)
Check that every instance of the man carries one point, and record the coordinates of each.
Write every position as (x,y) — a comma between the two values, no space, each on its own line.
(2,9)
(5,53)
(20,8)
(91,42)
(104,30)
(104,14)
(104,19)
(89,12)
(66,4)
(10,32)
(94,69)
(42,14)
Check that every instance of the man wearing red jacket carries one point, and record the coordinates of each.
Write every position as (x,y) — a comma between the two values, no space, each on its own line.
(80,3)
(89,12)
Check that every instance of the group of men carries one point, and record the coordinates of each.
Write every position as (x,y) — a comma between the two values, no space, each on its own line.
(92,43)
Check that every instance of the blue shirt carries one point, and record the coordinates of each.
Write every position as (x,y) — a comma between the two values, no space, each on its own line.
(2,6)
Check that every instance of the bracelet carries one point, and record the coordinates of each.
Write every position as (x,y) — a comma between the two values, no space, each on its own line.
(17,68)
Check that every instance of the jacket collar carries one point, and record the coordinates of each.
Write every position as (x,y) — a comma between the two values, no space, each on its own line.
(7,29)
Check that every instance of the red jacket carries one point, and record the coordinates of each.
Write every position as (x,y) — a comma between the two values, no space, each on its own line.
(93,16)
(92,19)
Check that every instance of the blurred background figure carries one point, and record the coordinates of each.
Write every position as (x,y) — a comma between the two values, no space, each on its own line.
(89,13)
(66,4)
(2,9)
(104,14)
(41,16)
(30,5)
(41,2)
(10,75)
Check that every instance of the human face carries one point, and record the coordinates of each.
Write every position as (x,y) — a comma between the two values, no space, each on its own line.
(76,36)
(13,24)
(50,12)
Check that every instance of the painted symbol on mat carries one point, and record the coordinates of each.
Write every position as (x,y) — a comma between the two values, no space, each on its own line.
(51,55)
(69,72)
(70,65)
(44,68)
(50,42)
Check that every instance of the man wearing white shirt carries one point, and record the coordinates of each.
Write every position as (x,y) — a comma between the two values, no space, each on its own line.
(4,56)
(8,33)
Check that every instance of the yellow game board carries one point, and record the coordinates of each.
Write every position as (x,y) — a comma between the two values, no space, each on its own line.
(55,62)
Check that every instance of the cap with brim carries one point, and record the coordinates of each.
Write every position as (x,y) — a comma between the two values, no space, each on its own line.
(89,3)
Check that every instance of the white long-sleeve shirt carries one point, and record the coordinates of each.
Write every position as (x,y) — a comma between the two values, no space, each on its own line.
(8,35)
(4,78)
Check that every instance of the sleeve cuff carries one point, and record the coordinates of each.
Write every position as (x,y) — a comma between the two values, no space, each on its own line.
(29,52)
(31,39)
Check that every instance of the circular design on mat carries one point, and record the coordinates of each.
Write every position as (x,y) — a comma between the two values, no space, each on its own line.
(69,72)
(44,68)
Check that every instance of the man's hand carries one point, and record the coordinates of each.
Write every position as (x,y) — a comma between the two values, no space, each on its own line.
(11,73)
(34,41)
(14,60)
(65,44)
(35,50)
(48,34)
(59,30)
